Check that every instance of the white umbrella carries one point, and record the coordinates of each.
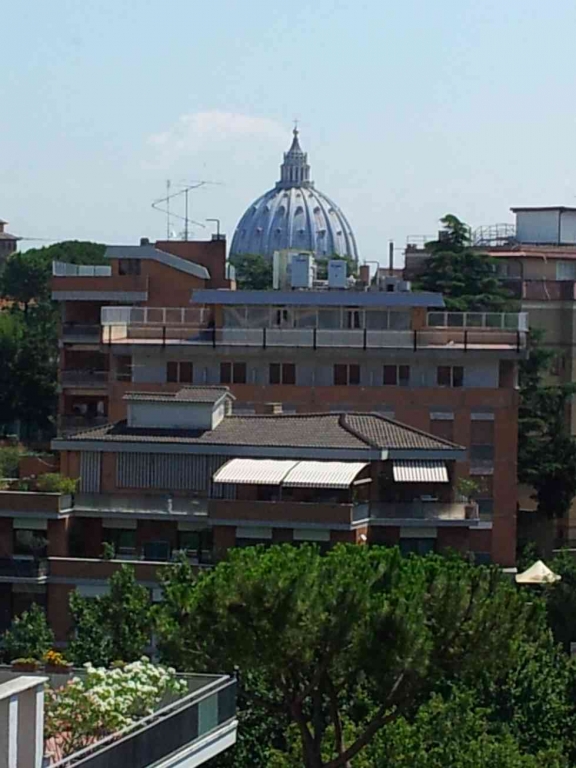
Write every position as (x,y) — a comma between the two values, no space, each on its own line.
(539,573)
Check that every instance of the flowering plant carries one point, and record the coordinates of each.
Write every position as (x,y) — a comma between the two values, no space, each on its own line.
(104,701)
(55,659)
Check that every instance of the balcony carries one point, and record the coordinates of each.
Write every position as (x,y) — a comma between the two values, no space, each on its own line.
(285,512)
(464,331)
(96,569)
(144,505)
(68,425)
(188,729)
(30,570)
(421,510)
(79,333)
(34,503)
(85,378)
(71,282)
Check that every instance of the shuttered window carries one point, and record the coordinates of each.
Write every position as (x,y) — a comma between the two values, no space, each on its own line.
(90,464)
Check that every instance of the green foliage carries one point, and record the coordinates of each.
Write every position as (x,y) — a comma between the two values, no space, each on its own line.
(561,599)
(546,449)
(9,461)
(28,332)
(54,482)
(115,626)
(28,636)
(465,277)
(360,634)
(253,272)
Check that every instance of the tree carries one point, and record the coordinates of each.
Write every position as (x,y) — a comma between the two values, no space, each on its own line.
(361,634)
(465,277)
(253,272)
(112,627)
(29,636)
(546,449)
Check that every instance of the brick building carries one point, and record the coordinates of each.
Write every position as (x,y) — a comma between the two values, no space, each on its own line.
(182,473)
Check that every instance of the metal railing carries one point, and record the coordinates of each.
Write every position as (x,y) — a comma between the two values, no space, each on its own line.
(149,503)
(312,338)
(192,316)
(163,733)
(81,330)
(87,377)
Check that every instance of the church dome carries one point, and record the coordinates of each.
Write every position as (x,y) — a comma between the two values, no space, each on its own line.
(294,215)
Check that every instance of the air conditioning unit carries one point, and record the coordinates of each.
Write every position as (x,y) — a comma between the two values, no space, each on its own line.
(337,273)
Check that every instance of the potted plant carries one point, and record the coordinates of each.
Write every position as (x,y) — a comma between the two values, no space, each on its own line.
(466,488)
(25,665)
(56,663)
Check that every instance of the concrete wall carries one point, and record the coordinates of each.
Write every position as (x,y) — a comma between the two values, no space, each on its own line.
(538,226)
(175,415)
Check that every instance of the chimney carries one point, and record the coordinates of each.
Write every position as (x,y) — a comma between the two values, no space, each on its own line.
(273,409)
(391,258)
(365,274)
(144,241)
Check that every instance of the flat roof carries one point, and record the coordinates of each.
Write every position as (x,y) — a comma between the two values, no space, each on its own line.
(148,251)
(306,298)
(560,208)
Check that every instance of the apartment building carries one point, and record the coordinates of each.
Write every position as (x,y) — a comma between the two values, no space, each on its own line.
(184,474)
(536,259)
(148,275)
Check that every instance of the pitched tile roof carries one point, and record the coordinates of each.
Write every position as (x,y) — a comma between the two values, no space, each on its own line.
(191,394)
(315,430)
(382,432)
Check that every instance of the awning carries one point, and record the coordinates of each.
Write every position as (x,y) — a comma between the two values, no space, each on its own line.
(300,474)
(323,474)
(254,471)
(420,472)
(539,573)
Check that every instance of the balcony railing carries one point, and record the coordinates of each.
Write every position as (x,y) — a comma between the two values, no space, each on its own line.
(85,378)
(33,502)
(23,569)
(167,732)
(162,504)
(68,425)
(421,510)
(506,321)
(81,332)
(456,337)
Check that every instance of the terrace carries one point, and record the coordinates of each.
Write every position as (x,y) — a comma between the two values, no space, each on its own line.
(185,729)
(314,328)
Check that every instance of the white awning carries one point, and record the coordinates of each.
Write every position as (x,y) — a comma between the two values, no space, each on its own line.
(323,474)
(420,472)
(301,474)
(254,471)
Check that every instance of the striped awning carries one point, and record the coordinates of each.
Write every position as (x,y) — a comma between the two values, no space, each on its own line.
(291,474)
(420,472)
(254,471)
(323,474)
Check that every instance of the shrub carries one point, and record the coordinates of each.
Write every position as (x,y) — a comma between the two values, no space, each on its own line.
(54,482)
(29,636)
(9,459)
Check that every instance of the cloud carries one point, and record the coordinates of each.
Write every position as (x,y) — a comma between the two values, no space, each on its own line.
(202,130)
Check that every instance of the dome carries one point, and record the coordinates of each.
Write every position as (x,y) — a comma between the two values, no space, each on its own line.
(294,215)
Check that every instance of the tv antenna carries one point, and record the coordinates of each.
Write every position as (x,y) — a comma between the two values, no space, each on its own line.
(163,205)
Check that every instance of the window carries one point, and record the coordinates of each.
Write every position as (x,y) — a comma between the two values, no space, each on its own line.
(157,551)
(129,267)
(122,539)
(353,318)
(282,373)
(179,372)
(32,543)
(124,368)
(197,545)
(565,270)
(396,375)
(281,318)
(233,373)
(417,546)
(450,376)
(481,453)
(346,375)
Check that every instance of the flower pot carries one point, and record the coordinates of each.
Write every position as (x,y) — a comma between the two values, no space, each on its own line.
(25,666)
(58,669)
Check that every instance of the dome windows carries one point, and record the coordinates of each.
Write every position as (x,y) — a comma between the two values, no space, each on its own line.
(299,211)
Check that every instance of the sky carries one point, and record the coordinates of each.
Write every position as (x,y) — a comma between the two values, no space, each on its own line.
(408,110)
